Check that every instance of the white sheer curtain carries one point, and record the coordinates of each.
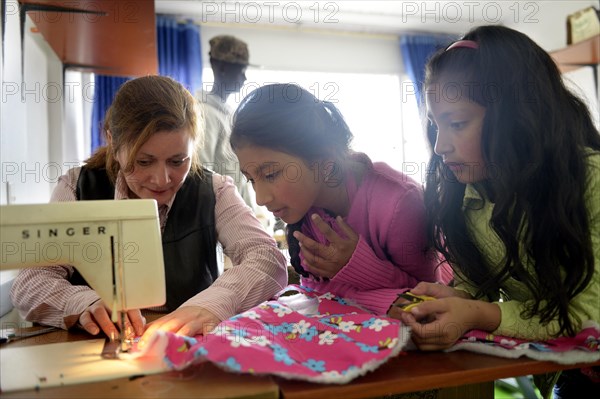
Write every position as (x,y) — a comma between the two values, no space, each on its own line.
(78,102)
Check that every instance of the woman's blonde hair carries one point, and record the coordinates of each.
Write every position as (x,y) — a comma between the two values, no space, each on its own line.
(141,108)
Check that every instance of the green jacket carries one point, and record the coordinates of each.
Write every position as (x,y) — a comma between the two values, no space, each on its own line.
(585,306)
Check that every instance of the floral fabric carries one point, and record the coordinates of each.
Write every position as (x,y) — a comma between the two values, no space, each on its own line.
(306,335)
(583,347)
(303,335)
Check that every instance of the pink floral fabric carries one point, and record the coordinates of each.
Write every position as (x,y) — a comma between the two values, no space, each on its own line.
(303,335)
(319,337)
(583,347)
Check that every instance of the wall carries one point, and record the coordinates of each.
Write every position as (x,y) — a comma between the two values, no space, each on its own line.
(293,47)
(545,21)
(278,48)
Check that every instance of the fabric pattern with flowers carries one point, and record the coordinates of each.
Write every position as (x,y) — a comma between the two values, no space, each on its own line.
(304,335)
(583,347)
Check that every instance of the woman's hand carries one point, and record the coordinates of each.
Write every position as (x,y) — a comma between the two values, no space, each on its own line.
(97,317)
(326,260)
(438,324)
(187,320)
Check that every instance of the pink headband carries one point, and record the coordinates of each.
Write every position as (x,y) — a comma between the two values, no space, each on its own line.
(464,43)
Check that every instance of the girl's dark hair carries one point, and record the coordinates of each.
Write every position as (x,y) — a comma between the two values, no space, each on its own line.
(288,118)
(534,140)
(142,107)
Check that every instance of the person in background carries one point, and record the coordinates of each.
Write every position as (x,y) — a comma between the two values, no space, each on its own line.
(229,59)
(355,228)
(512,197)
(152,130)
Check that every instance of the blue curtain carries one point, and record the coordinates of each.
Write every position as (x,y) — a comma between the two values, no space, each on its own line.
(179,56)
(105,88)
(179,51)
(416,50)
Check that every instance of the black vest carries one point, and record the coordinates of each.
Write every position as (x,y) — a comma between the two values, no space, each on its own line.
(189,239)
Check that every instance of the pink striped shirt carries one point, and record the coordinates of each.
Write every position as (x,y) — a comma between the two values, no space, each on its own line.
(45,296)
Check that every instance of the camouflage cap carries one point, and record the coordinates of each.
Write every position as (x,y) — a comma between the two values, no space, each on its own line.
(229,49)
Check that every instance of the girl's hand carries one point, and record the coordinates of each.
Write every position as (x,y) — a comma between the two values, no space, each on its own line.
(438,324)
(428,289)
(187,320)
(438,291)
(326,260)
(97,317)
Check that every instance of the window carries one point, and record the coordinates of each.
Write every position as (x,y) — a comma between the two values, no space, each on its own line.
(385,125)
(416,148)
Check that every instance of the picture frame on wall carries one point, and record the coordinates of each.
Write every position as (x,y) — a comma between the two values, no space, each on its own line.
(583,25)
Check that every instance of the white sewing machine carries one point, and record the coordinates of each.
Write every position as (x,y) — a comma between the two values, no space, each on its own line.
(115,245)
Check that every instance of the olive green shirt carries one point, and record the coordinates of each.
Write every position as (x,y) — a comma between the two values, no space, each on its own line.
(585,306)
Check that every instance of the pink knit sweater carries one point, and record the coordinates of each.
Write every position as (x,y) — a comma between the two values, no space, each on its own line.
(388,213)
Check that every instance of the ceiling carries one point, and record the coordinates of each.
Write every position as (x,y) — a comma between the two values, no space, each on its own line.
(379,17)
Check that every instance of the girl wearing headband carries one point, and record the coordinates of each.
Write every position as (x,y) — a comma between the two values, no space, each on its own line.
(512,196)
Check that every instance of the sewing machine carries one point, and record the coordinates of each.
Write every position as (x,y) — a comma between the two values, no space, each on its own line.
(115,245)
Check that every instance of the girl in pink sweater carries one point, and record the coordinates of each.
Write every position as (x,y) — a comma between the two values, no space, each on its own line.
(354,228)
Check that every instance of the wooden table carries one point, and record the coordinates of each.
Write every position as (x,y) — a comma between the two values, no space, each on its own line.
(438,375)
(200,381)
(459,374)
